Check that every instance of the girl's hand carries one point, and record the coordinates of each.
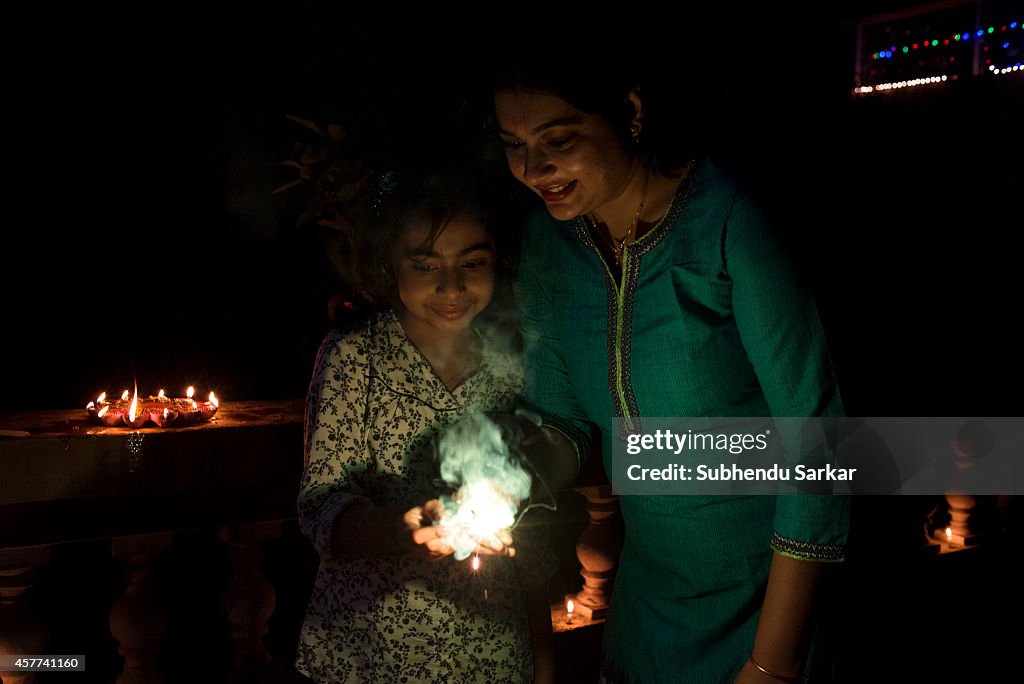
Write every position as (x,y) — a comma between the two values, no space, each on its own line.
(430,537)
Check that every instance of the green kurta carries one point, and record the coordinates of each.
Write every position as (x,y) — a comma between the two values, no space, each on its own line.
(707,320)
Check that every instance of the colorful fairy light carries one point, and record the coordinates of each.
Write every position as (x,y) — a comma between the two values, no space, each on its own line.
(934,41)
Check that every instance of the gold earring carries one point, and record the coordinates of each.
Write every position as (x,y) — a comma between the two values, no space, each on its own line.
(634,133)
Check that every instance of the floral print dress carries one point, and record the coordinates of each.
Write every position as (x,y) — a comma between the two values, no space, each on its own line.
(373,405)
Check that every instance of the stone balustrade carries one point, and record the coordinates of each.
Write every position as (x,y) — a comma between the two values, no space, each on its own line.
(136,498)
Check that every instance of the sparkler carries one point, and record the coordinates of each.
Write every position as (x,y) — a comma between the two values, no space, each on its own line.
(491,484)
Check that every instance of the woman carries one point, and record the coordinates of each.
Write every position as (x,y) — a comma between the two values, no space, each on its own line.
(650,286)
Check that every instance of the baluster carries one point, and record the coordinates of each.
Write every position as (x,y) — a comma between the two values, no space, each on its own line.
(598,551)
(136,620)
(21,632)
(249,600)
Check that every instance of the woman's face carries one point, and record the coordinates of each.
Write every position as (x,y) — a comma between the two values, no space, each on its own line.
(576,162)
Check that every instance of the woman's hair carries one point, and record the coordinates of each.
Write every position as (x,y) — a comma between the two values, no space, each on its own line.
(437,199)
(599,83)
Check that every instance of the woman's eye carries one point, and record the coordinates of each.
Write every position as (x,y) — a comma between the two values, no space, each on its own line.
(561,143)
(422,267)
(475,264)
(511,144)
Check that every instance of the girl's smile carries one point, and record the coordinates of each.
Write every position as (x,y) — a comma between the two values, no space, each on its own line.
(445,285)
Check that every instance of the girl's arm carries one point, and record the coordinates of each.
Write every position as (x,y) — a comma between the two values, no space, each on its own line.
(335,451)
(367,530)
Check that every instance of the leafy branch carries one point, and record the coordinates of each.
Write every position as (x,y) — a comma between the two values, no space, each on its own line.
(336,186)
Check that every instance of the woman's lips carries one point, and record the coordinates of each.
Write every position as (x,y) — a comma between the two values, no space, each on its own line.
(557,193)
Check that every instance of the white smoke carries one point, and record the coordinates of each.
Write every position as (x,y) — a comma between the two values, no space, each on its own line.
(490,483)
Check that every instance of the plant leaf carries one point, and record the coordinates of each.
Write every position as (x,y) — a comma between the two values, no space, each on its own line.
(310,212)
(310,156)
(306,123)
(339,224)
(292,184)
(347,192)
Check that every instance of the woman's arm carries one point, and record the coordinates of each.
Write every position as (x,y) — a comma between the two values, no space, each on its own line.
(553,458)
(559,440)
(782,335)
(783,632)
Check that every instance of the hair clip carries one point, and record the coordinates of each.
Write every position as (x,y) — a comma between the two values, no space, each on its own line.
(388,181)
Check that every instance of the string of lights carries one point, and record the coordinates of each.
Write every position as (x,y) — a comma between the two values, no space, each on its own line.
(897,85)
(920,48)
(895,51)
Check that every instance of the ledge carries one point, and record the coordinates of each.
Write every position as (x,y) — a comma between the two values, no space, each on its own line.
(65,479)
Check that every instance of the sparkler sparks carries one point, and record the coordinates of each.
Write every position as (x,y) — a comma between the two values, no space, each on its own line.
(491,484)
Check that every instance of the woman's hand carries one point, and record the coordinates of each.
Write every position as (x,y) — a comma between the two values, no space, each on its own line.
(431,538)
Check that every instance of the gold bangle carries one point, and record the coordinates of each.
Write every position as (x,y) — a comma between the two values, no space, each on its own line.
(774,675)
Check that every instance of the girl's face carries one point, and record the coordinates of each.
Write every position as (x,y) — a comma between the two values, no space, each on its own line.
(443,286)
(577,162)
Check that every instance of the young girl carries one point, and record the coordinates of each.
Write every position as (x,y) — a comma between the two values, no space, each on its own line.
(387,606)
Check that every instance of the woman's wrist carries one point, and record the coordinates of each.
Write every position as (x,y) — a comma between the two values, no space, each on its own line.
(780,676)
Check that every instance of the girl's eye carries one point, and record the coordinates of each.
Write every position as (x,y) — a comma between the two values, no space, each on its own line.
(475,264)
(511,144)
(422,267)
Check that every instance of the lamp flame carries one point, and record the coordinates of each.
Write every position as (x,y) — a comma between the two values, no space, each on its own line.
(476,563)
(949,534)
(161,410)
(190,391)
(133,409)
(569,606)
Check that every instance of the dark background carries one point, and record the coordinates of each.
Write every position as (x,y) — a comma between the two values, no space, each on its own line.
(143,239)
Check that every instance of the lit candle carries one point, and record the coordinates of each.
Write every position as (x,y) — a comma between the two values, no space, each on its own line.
(135,411)
(569,607)
(476,563)
(949,536)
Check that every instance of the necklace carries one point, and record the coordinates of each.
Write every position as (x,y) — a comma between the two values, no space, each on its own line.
(617,244)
